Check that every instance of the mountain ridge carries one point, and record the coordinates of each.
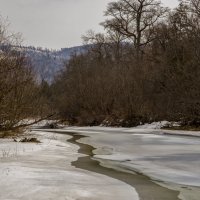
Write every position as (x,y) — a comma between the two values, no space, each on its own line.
(48,63)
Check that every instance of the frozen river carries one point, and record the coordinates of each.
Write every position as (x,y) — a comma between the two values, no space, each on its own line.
(96,163)
(171,161)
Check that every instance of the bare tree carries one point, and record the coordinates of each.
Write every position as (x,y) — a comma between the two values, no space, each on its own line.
(135,19)
(20,96)
(195,4)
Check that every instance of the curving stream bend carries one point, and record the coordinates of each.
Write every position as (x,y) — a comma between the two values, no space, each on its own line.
(145,187)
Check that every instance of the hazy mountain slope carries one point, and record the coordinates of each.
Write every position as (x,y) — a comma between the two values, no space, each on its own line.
(47,63)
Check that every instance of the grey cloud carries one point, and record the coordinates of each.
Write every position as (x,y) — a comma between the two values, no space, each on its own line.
(55,23)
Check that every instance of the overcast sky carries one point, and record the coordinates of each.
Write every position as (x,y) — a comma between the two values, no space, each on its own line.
(56,23)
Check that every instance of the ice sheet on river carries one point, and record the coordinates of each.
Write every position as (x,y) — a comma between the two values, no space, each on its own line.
(168,158)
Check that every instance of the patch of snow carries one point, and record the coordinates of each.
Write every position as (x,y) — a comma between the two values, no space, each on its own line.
(143,129)
(153,125)
(38,124)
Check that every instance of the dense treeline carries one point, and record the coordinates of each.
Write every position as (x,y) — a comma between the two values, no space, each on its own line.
(21,97)
(145,67)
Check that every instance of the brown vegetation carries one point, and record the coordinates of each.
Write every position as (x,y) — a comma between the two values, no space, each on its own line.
(145,68)
(21,97)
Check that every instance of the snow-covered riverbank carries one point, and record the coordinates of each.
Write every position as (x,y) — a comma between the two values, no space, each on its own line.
(43,171)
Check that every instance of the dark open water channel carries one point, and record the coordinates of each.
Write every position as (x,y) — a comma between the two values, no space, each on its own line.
(145,187)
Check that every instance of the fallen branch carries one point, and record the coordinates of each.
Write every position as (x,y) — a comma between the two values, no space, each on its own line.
(26,125)
(35,122)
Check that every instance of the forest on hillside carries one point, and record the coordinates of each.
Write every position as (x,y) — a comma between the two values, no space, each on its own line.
(145,67)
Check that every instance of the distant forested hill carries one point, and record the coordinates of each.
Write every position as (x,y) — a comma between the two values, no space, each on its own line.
(45,62)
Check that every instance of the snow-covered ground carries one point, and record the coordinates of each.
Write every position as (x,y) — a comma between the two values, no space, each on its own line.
(153,128)
(43,171)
